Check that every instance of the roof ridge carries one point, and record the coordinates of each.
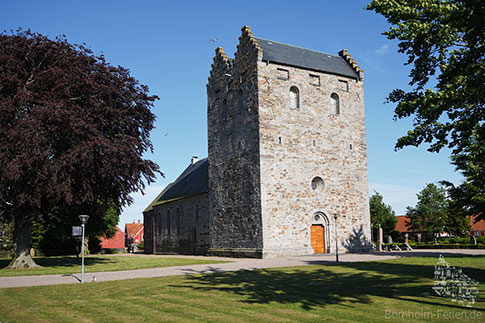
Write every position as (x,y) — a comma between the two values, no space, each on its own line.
(189,169)
(311,50)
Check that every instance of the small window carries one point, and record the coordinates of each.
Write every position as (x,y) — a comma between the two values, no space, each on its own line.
(242,76)
(168,222)
(178,221)
(343,85)
(318,184)
(314,80)
(335,103)
(197,214)
(294,98)
(158,223)
(283,74)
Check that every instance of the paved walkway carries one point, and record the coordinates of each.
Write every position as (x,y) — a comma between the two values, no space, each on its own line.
(234,265)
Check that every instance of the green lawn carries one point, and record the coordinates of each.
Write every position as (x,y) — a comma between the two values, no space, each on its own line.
(364,292)
(97,263)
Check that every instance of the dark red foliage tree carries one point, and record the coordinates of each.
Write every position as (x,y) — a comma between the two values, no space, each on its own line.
(73,129)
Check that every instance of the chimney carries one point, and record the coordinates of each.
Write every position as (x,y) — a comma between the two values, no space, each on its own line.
(133,221)
(194,160)
(138,221)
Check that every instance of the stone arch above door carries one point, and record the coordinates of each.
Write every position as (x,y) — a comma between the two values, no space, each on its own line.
(319,233)
(319,218)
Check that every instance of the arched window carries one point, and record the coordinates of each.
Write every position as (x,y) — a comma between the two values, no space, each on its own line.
(294,98)
(335,103)
(318,184)
(159,223)
(178,221)
(168,222)
(197,214)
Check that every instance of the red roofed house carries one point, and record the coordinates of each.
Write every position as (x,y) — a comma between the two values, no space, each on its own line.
(116,242)
(478,229)
(402,226)
(135,231)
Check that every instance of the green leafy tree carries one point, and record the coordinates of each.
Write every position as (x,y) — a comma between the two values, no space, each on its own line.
(73,130)
(470,195)
(53,234)
(457,222)
(444,40)
(430,213)
(381,215)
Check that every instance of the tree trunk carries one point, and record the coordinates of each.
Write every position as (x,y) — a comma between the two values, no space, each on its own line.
(21,238)
(86,248)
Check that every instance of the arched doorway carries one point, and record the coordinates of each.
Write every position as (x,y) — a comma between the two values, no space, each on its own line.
(319,233)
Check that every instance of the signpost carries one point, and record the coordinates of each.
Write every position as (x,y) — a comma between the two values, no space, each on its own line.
(84,219)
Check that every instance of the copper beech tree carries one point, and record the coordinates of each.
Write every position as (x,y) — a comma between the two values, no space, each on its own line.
(73,129)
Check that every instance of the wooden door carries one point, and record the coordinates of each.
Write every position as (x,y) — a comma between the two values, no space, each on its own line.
(317,237)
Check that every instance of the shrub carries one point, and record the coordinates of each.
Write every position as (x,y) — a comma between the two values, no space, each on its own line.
(141,245)
(464,240)
(396,236)
(480,240)
(447,246)
(110,251)
(94,245)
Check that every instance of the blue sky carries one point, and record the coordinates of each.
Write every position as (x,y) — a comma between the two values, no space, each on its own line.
(167,46)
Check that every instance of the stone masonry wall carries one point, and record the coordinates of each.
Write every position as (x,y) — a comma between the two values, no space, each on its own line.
(180,226)
(148,231)
(234,174)
(298,145)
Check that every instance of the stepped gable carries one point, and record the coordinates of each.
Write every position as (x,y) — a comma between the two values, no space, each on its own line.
(353,63)
(221,65)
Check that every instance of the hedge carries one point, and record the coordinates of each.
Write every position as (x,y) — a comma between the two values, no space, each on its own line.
(447,246)
(461,240)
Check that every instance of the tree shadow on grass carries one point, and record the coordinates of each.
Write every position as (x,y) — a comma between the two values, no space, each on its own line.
(348,284)
(64,262)
(417,271)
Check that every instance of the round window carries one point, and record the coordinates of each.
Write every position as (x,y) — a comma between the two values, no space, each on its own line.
(318,184)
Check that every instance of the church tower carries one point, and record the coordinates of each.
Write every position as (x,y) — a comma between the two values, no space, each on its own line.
(287,152)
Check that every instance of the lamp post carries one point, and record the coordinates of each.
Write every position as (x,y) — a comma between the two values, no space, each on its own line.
(335,216)
(84,219)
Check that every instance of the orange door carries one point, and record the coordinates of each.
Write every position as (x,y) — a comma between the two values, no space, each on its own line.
(317,238)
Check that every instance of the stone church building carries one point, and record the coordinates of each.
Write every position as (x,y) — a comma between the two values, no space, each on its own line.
(286,172)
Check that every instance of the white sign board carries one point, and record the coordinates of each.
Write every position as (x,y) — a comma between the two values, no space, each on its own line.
(77,231)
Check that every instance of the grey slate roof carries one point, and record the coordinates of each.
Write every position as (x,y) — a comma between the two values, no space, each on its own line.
(194,180)
(301,57)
